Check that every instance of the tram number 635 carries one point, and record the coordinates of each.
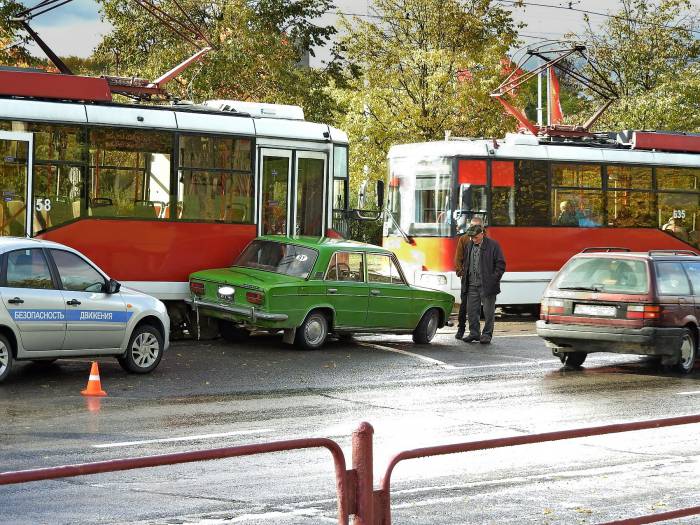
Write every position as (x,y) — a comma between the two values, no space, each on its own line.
(678,214)
(43,205)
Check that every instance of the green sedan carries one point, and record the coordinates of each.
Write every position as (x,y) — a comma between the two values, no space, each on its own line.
(310,287)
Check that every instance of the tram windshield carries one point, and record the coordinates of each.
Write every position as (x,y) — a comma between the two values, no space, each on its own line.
(419,197)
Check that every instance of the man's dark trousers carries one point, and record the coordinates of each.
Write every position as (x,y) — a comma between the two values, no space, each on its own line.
(475,300)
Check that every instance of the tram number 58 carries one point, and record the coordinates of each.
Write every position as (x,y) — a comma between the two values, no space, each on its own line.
(43,205)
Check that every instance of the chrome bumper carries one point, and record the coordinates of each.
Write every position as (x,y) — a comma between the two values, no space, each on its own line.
(250,313)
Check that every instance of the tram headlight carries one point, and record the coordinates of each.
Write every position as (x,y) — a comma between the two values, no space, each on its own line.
(432,279)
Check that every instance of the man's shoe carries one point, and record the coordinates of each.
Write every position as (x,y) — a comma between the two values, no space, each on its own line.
(460,333)
(471,338)
(485,340)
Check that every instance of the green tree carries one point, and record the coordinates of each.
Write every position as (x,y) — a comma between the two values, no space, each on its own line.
(418,69)
(648,51)
(257,49)
(13,40)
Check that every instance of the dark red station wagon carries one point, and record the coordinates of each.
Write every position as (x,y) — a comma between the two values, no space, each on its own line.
(614,300)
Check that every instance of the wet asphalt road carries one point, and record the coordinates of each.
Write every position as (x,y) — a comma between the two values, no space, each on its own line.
(210,394)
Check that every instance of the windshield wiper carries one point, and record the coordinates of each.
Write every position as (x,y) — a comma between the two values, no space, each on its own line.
(406,237)
(594,288)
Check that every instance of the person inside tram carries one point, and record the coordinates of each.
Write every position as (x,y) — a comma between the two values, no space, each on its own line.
(675,227)
(567,214)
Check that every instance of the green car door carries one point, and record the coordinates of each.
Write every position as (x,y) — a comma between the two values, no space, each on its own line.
(347,290)
(391,302)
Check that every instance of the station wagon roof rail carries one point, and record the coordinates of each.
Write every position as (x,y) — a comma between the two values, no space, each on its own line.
(605,249)
(653,253)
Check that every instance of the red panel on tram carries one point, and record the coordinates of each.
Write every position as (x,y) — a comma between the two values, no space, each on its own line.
(502,173)
(48,85)
(472,172)
(154,250)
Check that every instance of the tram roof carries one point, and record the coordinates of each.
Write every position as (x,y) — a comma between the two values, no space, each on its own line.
(182,117)
(527,147)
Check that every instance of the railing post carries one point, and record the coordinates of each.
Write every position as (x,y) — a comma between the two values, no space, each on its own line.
(362,464)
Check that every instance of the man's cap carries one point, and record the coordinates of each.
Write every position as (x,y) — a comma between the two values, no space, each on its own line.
(474,229)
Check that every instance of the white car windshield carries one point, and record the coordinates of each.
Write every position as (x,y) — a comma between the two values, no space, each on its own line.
(273,256)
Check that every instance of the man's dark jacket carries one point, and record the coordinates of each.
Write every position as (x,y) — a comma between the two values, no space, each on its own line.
(493,266)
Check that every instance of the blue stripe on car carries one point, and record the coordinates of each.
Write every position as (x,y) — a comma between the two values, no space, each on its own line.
(105,316)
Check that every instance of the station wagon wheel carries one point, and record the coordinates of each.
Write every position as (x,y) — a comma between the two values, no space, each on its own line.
(686,362)
(144,351)
(5,358)
(572,359)
(428,325)
(313,331)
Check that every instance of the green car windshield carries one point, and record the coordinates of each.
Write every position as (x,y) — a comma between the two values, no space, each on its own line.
(271,256)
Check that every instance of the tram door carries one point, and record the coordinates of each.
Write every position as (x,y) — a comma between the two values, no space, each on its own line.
(15,181)
(310,191)
(275,168)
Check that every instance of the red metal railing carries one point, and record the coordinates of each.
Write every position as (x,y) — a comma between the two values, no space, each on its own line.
(341,476)
(383,495)
(355,489)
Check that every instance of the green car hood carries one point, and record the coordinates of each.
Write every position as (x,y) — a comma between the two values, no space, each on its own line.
(237,275)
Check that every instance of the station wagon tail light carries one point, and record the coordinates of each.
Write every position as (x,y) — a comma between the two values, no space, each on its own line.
(255,297)
(197,288)
(551,307)
(643,311)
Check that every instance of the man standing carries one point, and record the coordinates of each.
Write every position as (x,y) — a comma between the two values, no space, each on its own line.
(459,269)
(482,269)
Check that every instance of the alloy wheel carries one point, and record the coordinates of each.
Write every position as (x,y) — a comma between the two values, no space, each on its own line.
(145,349)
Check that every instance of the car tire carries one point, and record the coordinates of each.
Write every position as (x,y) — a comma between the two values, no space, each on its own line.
(313,332)
(232,333)
(427,327)
(6,358)
(144,351)
(572,359)
(689,351)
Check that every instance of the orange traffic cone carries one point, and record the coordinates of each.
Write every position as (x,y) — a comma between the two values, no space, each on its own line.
(94,388)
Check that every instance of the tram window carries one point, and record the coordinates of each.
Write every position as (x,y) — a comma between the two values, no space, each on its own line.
(340,162)
(201,151)
(216,196)
(59,194)
(631,209)
(577,207)
(531,198)
(576,175)
(503,192)
(53,142)
(129,173)
(677,178)
(630,177)
(339,194)
(5,125)
(679,215)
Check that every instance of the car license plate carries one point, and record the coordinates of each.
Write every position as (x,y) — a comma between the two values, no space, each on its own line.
(591,309)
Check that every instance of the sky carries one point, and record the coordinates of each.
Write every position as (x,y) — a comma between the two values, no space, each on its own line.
(81,17)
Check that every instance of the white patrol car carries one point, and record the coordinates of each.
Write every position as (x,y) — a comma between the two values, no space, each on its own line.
(57,303)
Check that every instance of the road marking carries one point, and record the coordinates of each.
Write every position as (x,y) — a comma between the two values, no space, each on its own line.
(184,438)
(695,393)
(447,366)
(405,352)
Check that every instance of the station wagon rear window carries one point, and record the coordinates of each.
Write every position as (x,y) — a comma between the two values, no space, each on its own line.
(604,274)
(271,256)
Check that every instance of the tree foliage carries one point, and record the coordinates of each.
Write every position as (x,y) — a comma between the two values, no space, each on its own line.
(13,40)
(418,69)
(648,52)
(257,48)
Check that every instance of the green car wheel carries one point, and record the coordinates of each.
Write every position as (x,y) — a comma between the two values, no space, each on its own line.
(313,331)
(428,325)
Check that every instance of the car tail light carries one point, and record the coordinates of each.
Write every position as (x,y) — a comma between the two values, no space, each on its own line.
(255,297)
(197,288)
(643,311)
(551,307)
